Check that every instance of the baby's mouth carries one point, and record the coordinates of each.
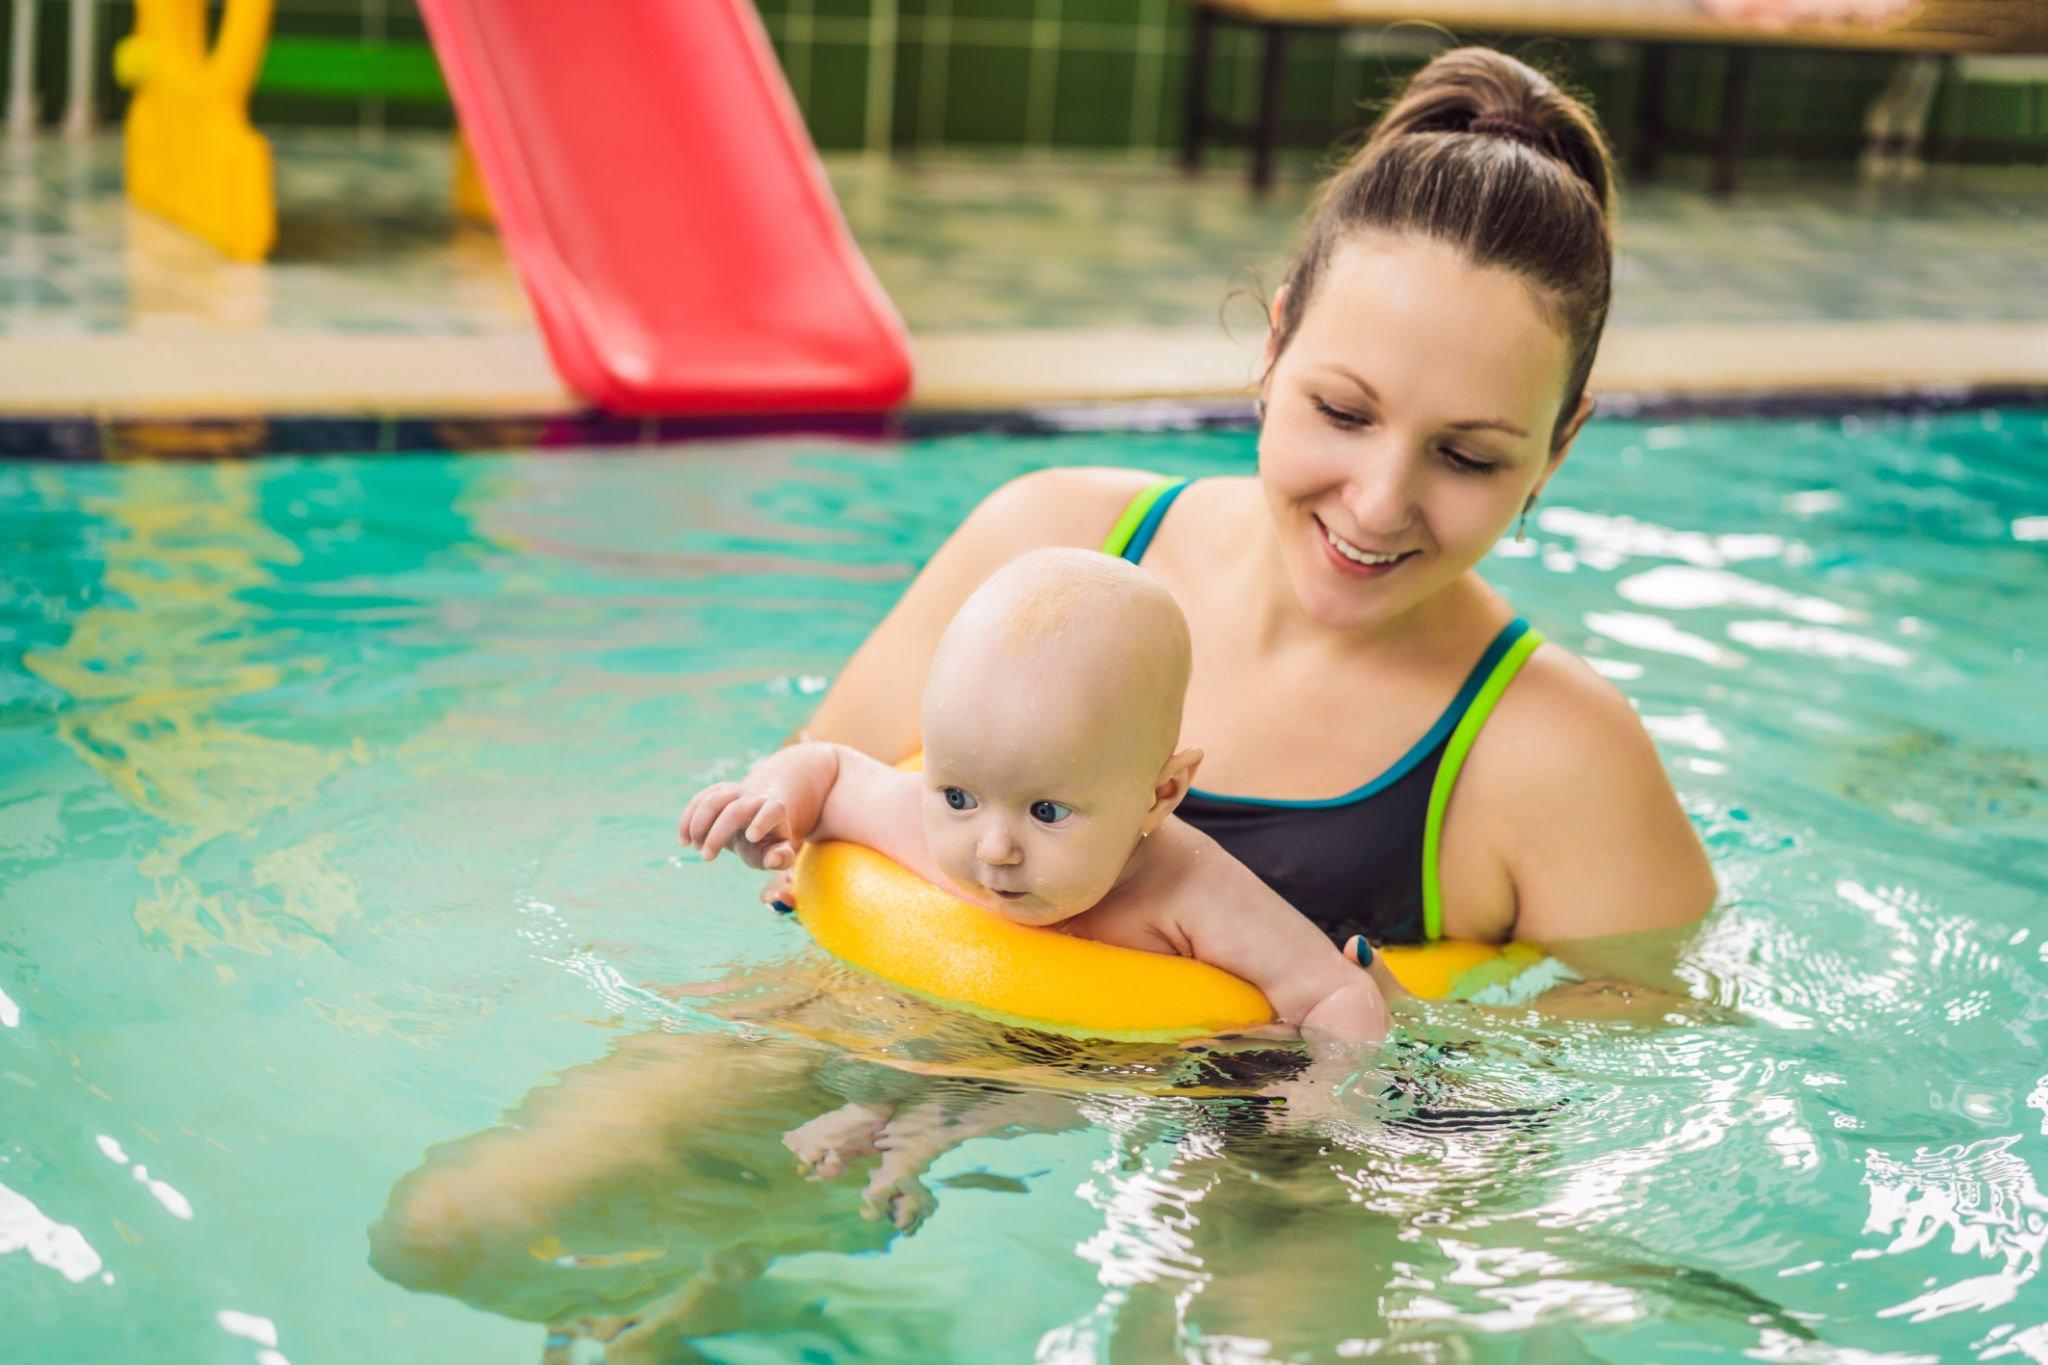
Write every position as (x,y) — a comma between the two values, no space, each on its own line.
(1009,895)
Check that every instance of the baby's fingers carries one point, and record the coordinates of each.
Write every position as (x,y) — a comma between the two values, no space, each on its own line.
(771,817)
(729,823)
(780,858)
(704,808)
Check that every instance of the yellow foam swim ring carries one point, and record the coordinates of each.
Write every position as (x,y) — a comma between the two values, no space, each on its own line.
(879,916)
(868,911)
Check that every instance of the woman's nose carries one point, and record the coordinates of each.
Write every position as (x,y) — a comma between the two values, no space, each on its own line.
(1381,493)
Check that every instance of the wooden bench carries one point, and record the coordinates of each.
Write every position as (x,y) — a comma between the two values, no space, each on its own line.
(1938,28)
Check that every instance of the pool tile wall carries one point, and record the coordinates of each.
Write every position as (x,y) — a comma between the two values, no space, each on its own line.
(1092,73)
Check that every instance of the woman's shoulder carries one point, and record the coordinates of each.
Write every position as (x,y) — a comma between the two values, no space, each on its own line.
(1563,727)
(1063,505)
(1581,807)
(1559,693)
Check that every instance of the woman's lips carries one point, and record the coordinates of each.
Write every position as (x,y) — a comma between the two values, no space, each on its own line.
(1351,566)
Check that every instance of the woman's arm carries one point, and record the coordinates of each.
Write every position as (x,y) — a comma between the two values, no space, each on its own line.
(873,704)
(1563,824)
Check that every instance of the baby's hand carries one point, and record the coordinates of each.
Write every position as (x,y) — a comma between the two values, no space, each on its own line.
(825,1144)
(755,823)
(1312,1100)
(898,1196)
(765,817)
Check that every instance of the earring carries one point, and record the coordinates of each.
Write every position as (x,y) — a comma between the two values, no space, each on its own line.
(1522,523)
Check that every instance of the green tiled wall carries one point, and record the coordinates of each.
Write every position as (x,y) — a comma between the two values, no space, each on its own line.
(1093,73)
(1107,73)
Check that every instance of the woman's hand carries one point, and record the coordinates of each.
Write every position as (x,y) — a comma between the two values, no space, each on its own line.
(1360,952)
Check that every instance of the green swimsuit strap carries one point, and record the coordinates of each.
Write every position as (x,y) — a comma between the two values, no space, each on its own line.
(1447,774)
(1127,525)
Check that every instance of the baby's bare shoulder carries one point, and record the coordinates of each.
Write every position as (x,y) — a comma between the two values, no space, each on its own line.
(1231,919)
(1195,890)
(1129,918)
(1192,899)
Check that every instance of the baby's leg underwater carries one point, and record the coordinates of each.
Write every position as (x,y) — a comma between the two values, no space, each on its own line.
(621,1181)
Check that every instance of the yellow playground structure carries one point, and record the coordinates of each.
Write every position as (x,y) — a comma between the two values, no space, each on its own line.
(192,155)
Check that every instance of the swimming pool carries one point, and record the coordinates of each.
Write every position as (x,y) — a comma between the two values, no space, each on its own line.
(336,803)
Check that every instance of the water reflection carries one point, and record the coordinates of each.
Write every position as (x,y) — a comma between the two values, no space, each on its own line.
(153,671)
(1984,1196)
(59,1246)
(645,1199)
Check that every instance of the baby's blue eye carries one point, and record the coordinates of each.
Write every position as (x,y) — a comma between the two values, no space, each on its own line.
(958,799)
(1050,812)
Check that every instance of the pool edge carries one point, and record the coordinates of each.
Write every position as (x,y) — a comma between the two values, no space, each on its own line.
(91,439)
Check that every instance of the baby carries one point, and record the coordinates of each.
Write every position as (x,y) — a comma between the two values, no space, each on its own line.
(1050,720)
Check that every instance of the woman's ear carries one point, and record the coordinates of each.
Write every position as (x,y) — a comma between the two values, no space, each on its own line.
(1564,443)
(1171,786)
(1271,349)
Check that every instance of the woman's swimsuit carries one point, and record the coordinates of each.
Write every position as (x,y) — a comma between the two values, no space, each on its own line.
(1364,862)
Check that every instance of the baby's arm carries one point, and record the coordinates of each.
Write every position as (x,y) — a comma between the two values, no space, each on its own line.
(1230,919)
(918,1135)
(806,792)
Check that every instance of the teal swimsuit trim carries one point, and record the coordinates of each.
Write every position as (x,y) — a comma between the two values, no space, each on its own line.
(1438,733)
(1141,538)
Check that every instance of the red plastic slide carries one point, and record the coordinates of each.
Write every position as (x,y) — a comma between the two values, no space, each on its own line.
(655,186)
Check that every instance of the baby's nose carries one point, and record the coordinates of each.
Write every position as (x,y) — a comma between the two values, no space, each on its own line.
(997,849)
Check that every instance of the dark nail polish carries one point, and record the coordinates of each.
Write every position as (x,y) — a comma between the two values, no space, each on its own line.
(1362,950)
(783,907)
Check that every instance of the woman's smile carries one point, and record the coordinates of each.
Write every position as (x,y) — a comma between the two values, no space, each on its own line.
(1353,559)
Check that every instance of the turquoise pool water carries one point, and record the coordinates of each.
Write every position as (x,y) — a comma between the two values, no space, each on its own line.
(336,804)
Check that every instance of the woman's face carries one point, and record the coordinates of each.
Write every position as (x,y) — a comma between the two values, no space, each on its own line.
(1406,424)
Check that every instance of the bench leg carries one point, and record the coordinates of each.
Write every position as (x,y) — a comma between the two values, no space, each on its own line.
(1895,129)
(1194,124)
(1942,145)
(1734,120)
(1266,132)
(1653,78)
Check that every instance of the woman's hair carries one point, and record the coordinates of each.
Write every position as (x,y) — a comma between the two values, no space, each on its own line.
(1485,154)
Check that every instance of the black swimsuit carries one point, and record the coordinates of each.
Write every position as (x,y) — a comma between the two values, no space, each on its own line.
(1363,862)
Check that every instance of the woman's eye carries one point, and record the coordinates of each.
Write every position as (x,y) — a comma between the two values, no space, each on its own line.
(958,799)
(1349,421)
(1466,464)
(1049,812)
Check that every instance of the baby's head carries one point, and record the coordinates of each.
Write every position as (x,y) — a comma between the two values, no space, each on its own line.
(1051,713)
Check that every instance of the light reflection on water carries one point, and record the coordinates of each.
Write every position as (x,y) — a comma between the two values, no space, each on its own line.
(335,803)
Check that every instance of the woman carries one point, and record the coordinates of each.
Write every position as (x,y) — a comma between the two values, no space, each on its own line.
(1424,380)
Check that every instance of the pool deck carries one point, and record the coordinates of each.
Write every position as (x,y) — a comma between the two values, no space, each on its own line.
(1025,282)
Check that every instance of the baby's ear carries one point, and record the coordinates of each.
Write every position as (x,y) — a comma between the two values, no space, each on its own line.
(1175,777)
